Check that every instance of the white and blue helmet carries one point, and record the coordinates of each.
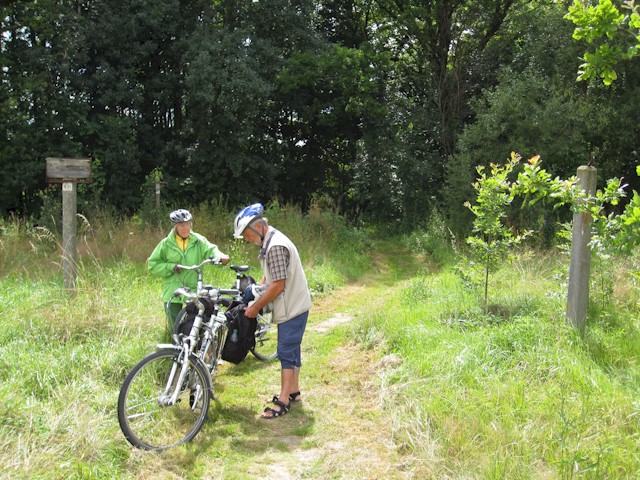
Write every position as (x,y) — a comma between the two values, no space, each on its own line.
(245,217)
(180,216)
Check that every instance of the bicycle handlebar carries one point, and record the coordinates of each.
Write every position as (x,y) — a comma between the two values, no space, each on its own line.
(184,292)
(210,260)
(187,293)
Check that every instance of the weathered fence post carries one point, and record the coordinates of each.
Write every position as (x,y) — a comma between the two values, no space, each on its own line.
(69,236)
(156,176)
(580,265)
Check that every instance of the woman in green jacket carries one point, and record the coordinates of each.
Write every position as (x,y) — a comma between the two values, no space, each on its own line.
(181,247)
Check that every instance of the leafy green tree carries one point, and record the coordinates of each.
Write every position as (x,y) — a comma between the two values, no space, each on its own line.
(346,22)
(613,30)
(235,118)
(625,229)
(536,107)
(545,119)
(613,233)
(131,59)
(101,79)
(358,100)
(433,50)
(331,102)
(493,239)
(35,99)
(534,184)
(437,42)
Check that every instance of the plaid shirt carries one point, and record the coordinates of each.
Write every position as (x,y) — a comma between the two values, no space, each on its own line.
(277,261)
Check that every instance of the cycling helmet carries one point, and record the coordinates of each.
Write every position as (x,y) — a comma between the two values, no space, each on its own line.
(245,217)
(180,216)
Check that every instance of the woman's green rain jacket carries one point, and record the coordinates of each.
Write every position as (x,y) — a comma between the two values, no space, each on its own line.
(167,254)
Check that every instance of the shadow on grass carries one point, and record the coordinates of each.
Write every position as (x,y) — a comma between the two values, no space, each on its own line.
(241,430)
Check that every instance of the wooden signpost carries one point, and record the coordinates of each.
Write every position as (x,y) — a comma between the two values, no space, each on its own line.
(69,172)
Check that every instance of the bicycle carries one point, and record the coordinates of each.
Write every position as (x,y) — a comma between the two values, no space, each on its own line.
(165,398)
(265,348)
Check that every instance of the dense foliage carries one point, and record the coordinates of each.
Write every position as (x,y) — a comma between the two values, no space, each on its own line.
(493,241)
(385,107)
(616,36)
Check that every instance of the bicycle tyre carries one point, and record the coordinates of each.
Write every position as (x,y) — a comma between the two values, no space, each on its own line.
(266,347)
(148,425)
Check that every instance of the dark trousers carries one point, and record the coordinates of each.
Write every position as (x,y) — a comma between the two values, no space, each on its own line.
(172,310)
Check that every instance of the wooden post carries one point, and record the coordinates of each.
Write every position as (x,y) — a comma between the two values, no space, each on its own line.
(69,236)
(69,172)
(580,265)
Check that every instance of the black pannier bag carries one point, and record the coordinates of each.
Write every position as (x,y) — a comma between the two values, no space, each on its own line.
(190,311)
(237,346)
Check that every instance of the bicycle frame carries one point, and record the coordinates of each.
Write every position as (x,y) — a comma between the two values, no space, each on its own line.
(168,399)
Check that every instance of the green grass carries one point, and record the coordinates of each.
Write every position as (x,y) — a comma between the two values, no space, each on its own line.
(510,391)
(64,357)
(515,393)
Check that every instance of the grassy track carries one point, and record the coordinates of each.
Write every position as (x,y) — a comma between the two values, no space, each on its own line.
(339,430)
(64,359)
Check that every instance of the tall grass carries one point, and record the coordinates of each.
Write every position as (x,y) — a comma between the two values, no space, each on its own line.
(516,392)
(334,253)
(337,252)
(63,360)
(508,392)
(63,357)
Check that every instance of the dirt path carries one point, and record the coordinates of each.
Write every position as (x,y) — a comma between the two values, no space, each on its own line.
(352,435)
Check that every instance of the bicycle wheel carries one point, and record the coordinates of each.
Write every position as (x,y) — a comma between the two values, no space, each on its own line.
(266,339)
(145,416)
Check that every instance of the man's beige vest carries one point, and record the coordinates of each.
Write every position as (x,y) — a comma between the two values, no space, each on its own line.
(295,299)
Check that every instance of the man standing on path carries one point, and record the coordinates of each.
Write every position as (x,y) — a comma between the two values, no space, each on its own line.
(287,290)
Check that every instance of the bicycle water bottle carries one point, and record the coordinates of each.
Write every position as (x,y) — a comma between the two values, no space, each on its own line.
(234,335)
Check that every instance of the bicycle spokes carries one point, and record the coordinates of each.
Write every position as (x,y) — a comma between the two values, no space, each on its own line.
(266,339)
(164,400)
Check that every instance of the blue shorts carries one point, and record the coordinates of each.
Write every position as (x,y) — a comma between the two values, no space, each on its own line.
(289,339)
